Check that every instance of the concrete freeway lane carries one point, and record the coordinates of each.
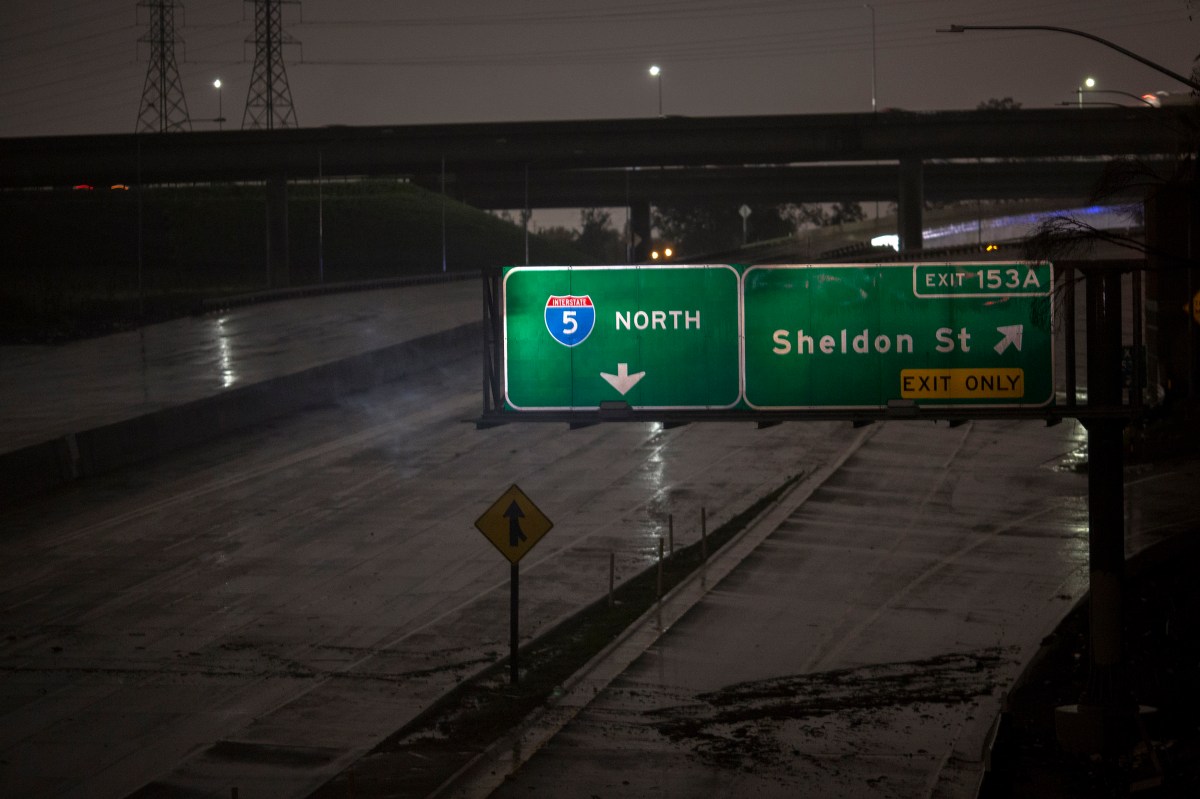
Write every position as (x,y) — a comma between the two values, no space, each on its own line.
(258,611)
(863,648)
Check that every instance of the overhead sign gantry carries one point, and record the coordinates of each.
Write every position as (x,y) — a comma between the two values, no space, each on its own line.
(727,341)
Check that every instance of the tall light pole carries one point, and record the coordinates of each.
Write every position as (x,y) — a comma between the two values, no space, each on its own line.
(656,73)
(220,120)
(1140,59)
(1131,95)
(874,104)
(871,8)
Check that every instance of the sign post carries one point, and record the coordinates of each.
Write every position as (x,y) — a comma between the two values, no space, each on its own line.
(513,524)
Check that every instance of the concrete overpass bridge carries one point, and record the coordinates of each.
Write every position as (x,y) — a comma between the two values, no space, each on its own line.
(899,157)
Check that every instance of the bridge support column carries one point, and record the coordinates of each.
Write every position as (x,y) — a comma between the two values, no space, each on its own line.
(910,209)
(278,271)
(640,223)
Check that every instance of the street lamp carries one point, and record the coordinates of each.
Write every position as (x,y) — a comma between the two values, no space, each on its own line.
(871,8)
(656,73)
(220,120)
(1140,98)
(1088,83)
(1141,59)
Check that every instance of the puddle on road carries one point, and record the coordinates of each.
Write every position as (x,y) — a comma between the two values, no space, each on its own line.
(1074,461)
(1076,458)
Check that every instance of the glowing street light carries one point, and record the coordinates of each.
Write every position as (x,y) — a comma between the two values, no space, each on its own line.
(1088,83)
(220,120)
(656,72)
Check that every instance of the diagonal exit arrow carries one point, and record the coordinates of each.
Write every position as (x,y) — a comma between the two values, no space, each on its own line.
(514,514)
(1012,336)
(622,381)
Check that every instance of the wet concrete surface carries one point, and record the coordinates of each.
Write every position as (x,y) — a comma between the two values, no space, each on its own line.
(50,391)
(864,648)
(258,611)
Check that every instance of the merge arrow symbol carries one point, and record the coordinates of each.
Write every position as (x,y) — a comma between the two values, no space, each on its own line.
(514,514)
(622,381)
(1012,335)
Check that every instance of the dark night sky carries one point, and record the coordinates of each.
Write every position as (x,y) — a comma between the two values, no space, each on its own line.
(76,66)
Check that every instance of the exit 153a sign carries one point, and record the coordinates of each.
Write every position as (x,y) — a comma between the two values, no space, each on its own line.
(833,336)
(779,337)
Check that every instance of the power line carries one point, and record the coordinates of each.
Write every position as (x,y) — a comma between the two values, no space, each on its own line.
(694,9)
(69,55)
(827,40)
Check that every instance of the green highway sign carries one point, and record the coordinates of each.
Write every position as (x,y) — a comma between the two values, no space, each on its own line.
(861,336)
(655,337)
(777,338)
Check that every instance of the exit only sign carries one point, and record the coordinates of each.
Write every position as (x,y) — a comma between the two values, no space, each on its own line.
(780,337)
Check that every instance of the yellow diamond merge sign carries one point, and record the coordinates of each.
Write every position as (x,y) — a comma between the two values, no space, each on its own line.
(513,524)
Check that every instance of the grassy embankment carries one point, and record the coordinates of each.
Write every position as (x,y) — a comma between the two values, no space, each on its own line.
(72,266)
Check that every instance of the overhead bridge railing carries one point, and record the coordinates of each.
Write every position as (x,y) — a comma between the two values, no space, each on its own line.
(768,343)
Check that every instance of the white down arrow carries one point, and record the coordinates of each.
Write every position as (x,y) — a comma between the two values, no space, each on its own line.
(622,381)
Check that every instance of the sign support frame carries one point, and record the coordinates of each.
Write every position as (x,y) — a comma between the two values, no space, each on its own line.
(514,638)
(493,347)
(495,411)
(1105,718)
(1107,709)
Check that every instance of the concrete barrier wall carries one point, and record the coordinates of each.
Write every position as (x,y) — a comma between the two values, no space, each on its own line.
(83,453)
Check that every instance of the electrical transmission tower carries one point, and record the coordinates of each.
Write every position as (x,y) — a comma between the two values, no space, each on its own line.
(269,101)
(163,107)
